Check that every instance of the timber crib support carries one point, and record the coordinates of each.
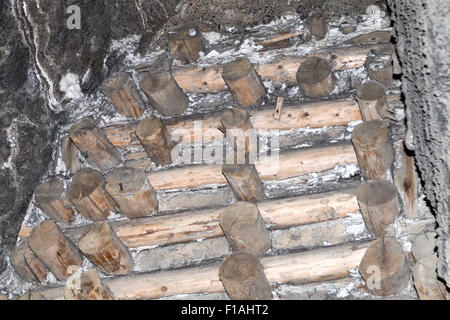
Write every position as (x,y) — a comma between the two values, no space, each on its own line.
(156,140)
(27,265)
(86,285)
(315,77)
(372,101)
(244,181)
(185,43)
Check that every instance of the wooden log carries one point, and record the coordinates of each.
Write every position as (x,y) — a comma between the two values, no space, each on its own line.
(379,68)
(244,83)
(243,277)
(88,194)
(54,249)
(317,25)
(164,93)
(69,155)
(277,113)
(31,296)
(185,44)
(315,77)
(123,95)
(244,228)
(385,268)
(373,148)
(132,192)
(27,265)
(86,286)
(406,181)
(156,140)
(104,249)
(374,37)
(281,40)
(372,101)
(51,199)
(244,181)
(95,146)
(379,205)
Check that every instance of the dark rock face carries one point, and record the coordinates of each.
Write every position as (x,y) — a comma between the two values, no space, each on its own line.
(423,45)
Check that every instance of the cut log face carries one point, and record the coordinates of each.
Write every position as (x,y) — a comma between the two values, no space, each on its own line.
(185,44)
(156,140)
(243,277)
(380,68)
(385,268)
(94,145)
(104,249)
(244,181)
(86,286)
(379,205)
(315,77)
(132,192)
(164,93)
(244,83)
(317,25)
(51,199)
(123,95)
(88,194)
(54,249)
(244,228)
(373,148)
(372,101)
(27,265)
(69,154)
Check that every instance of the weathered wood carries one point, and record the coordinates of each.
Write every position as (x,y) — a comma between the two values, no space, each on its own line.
(104,249)
(123,95)
(372,101)
(132,192)
(87,193)
(379,68)
(50,198)
(374,37)
(94,145)
(155,138)
(27,265)
(240,133)
(406,181)
(244,83)
(69,155)
(31,296)
(373,148)
(243,277)
(278,107)
(244,228)
(317,25)
(185,43)
(86,286)
(244,181)
(379,205)
(281,40)
(315,77)
(385,268)
(54,249)
(164,93)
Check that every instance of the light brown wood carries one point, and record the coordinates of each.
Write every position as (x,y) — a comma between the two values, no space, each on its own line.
(278,107)
(27,265)
(379,67)
(372,101)
(243,82)
(132,192)
(155,138)
(104,249)
(94,145)
(317,25)
(164,93)
(185,43)
(244,181)
(50,198)
(406,181)
(86,286)
(87,193)
(244,228)
(243,277)
(31,296)
(279,40)
(69,154)
(374,37)
(123,95)
(373,148)
(315,77)
(379,205)
(385,268)
(54,249)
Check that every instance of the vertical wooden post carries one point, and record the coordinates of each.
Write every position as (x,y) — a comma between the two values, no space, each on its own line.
(277,113)
(244,181)
(27,265)
(86,286)
(132,192)
(54,249)
(315,77)
(69,154)
(372,101)
(373,148)
(317,25)
(123,95)
(94,144)
(385,268)
(244,83)
(51,199)
(379,205)
(243,277)
(164,93)
(185,44)
(103,248)
(380,68)
(244,228)
(406,180)
(88,194)
(156,140)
